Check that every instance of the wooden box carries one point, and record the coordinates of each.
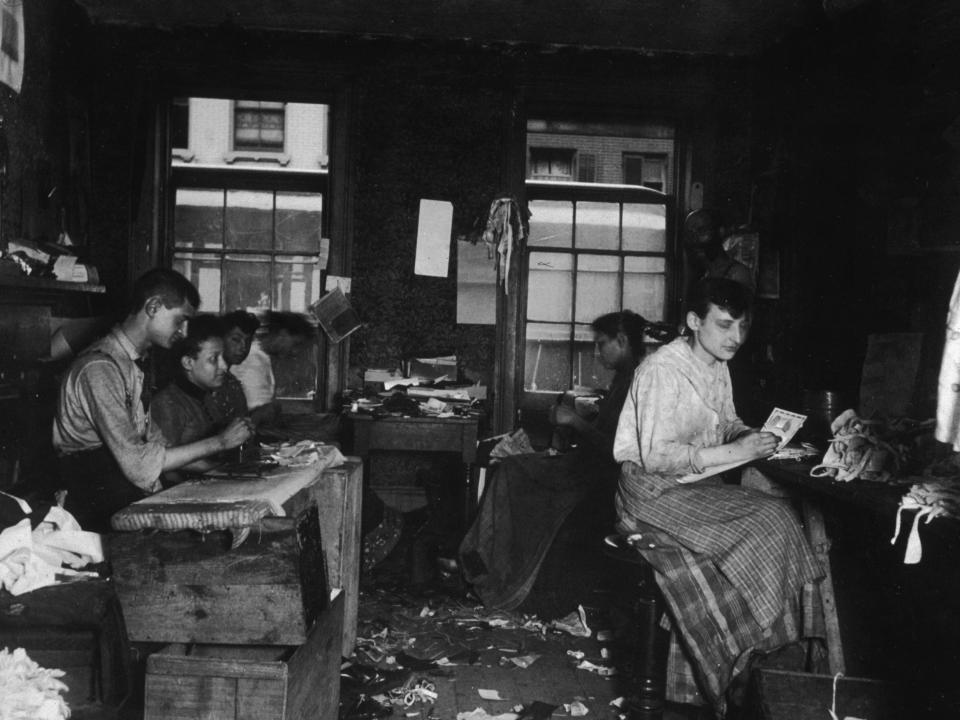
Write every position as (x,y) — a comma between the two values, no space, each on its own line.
(78,628)
(187,587)
(338,495)
(786,695)
(223,682)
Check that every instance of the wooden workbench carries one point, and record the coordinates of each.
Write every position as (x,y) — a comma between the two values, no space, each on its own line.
(899,623)
(187,587)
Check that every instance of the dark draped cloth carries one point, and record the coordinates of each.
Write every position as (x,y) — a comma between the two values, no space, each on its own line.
(527,499)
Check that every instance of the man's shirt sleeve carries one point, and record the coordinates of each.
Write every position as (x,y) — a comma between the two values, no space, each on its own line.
(101,389)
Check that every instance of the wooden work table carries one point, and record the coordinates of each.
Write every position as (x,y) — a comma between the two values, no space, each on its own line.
(184,586)
(455,435)
(899,623)
(415,434)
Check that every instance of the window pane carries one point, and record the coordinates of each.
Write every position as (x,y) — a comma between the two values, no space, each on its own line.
(297,283)
(588,372)
(598,286)
(258,126)
(198,219)
(249,220)
(298,219)
(246,282)
(644,287)
(296,376)
(598,225)
(644,227)
(551,223)
(180,123)
(204,272)
(547,362)
(550,287)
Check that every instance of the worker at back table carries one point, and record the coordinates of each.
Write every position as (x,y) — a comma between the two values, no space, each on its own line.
(110,453)
(282,335)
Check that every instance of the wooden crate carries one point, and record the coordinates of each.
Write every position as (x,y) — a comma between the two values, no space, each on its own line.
(78,628)
(184,587)
(338,495)
(223,682)
(786,695)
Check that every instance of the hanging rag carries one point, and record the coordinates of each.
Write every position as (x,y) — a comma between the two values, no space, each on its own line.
(506,230)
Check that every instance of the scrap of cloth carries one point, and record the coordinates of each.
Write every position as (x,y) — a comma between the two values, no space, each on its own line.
(948,384)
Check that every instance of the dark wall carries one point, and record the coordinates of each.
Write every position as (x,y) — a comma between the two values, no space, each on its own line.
(44,129)
(860,192)
(421,133)
(827,142)
(426,120)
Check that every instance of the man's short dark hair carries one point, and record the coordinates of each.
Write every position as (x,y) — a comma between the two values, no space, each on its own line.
(728,295)
(169,285)
(245,321)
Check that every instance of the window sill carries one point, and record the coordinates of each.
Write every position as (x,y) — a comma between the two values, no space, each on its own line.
(254,156)
(183,155)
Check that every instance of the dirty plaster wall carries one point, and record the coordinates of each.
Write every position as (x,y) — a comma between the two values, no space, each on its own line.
(421,133)
(428,120)
(42,180)
(852,145)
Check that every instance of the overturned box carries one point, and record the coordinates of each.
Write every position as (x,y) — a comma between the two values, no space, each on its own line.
(788,695)
(187,587)
(229,682)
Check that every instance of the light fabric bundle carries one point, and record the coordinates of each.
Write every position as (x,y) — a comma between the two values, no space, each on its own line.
(930,498)
(856,452)
(29,691)
(47,554)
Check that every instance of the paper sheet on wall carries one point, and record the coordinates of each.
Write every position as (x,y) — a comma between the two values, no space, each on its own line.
(433,238)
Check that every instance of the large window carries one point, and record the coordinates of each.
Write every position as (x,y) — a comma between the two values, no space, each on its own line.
(597,245)
(249,235)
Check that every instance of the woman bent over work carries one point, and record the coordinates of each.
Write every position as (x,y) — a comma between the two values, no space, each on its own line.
(530,495)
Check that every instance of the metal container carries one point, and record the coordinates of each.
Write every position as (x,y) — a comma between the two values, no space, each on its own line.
(821,408)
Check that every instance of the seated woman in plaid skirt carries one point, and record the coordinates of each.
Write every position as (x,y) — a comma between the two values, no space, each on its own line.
(731,562)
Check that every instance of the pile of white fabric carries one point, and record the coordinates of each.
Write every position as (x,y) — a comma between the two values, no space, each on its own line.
(52,552)
(930,498)
(28,691)
(856,451)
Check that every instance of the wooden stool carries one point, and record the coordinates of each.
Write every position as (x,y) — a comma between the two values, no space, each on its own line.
(650,653)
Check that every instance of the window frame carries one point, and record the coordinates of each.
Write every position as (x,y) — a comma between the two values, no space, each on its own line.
(594,192)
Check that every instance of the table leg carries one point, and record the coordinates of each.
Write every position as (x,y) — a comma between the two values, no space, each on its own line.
(820,542)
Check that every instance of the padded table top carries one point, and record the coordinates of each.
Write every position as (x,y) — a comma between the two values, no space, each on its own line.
(223,503)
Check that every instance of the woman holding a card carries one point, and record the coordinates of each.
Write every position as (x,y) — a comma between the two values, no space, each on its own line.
(727,558)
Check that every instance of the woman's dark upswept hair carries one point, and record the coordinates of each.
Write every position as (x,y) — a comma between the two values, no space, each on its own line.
(726,294)
(627,322)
